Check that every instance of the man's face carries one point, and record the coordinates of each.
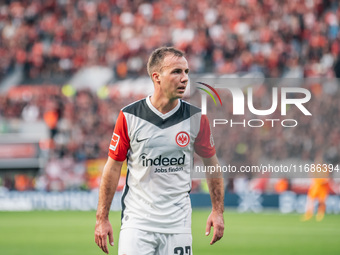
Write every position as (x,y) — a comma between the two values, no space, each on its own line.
(174,76)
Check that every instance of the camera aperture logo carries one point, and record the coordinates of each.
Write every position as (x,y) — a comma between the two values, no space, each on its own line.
(287,98)
(204,101)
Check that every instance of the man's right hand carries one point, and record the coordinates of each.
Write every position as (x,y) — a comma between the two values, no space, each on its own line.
(102,230)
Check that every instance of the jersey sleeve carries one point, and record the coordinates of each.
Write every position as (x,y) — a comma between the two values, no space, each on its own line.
(204,144)
(120,141)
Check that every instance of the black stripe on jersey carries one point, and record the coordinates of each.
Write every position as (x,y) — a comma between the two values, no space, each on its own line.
(126,190)
(141,109)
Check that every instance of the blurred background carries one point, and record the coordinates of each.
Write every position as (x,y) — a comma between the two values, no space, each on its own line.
(67,67)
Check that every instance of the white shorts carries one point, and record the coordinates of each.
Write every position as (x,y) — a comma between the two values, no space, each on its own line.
(134,241)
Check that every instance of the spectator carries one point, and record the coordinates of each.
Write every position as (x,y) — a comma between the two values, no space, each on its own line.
(280,39)
(52,38)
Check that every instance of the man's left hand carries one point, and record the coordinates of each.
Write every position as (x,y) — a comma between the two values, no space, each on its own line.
(216,221)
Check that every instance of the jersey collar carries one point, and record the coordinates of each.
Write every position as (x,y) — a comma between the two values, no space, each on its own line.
(162,115)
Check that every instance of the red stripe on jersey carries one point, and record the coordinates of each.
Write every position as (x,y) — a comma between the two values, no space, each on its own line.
(120,142)
(204,143)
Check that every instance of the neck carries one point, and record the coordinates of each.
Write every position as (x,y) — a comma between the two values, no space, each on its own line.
(163,105)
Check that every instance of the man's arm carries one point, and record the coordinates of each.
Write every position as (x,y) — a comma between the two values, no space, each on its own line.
(216,190)
(108,186)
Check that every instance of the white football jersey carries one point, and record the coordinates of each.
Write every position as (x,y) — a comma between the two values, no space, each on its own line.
(159,151)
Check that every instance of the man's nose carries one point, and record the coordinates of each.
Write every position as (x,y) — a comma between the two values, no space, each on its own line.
(185,78)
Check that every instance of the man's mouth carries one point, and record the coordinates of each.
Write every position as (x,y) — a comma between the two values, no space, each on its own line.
(182,88)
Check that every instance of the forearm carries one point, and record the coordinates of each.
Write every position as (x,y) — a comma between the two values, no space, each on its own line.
(216,190)
(108,186)
(216,185)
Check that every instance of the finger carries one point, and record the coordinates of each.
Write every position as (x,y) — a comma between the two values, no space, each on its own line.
(104,243)
(214,238)
(100,243)
(218,234)
(221,231)
(111,238)
(208,228)
(96,239)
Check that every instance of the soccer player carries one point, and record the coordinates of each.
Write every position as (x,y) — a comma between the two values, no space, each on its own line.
(158,136)
(318,190)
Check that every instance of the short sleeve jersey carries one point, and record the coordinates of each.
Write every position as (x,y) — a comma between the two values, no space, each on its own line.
(159,151)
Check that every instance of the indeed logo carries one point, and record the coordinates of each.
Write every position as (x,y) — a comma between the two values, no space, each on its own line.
(162,161)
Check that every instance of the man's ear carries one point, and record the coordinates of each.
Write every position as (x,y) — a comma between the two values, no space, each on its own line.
(156,77)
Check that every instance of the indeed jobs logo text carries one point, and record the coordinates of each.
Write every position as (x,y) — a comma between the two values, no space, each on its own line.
(243,99)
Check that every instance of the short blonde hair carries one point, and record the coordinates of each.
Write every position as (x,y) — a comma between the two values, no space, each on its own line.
(157,56)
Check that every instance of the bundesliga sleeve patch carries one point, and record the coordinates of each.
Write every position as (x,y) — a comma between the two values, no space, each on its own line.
(114,141)
(212,142)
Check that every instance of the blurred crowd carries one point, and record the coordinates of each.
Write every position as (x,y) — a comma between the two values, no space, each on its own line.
(289,39)
(81,127)
(278,38)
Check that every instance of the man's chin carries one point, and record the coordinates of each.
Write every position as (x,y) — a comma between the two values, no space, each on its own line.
(180,96)
(181,93)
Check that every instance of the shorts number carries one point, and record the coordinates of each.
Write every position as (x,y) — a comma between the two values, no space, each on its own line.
(180,250)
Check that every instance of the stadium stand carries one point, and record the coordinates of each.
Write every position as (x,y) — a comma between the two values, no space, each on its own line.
(45,43)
